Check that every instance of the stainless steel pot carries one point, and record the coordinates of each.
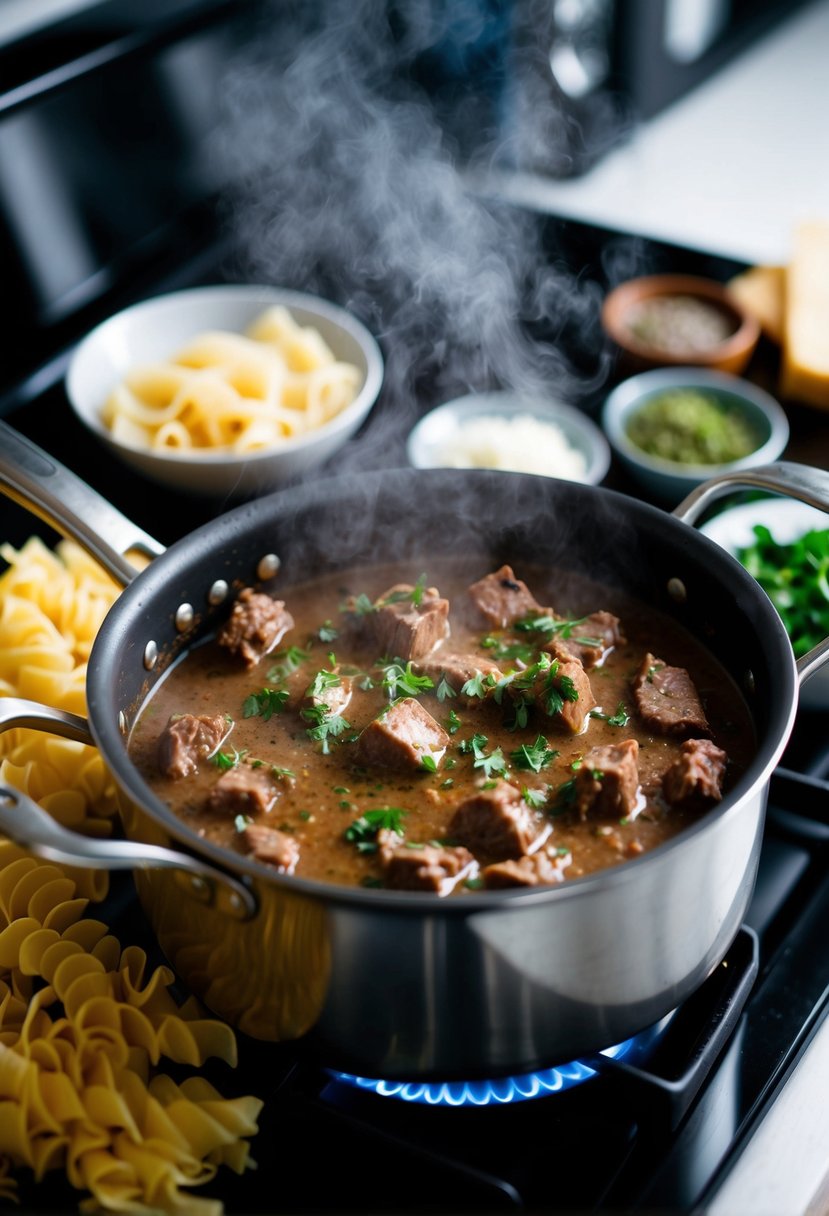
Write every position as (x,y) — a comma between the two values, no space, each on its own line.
(397,984)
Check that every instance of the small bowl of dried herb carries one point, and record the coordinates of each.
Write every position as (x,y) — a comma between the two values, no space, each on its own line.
(673,428)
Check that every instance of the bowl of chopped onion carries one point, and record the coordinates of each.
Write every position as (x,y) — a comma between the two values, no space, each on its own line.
(230,389)
(512,432)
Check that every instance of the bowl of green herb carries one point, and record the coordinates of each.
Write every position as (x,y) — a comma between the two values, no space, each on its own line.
(785,546)
(673,428)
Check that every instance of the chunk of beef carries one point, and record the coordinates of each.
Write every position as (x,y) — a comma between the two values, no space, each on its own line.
(496,823)
(502,599)
(257,622)
(607,784)
(695,777)
(273,847)
(594,638)
(401,737)
(188,738)
(334,692)
(426,868)
(457,669)
(403,629)
(667,700)
(563,690)
(243,791)
(536,870)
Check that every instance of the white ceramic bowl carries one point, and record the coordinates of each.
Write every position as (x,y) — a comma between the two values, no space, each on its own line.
(156,328)
(439,432)
(667,480)
(787,520)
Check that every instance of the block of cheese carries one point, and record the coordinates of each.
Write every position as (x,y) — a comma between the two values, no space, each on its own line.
(804,372)
(761,291)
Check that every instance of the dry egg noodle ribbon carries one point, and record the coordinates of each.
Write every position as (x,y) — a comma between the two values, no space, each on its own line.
(82,1026)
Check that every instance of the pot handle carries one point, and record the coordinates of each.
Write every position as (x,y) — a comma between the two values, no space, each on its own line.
(27,824)
(47,488)
(791,480)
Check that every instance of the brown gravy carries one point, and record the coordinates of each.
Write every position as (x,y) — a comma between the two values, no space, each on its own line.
(327,791)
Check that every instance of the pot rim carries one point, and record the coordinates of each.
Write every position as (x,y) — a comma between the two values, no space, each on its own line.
(108,650)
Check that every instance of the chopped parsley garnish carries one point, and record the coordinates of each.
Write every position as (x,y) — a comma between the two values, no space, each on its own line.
(265,704)
(429,763)
(453,722)
(241,822)
(467,747)
(479,685)
(325,725)
(474,884)
(321,683)
(283,774)
(534,798)
(521,652)
(533,756)
(327,632)
(494,762)
(401,681)
(227,760)
(361,605)
(415,596)
(795,576)
(620,718)
(444,689)
(363,831)
(286,663)
(551,627)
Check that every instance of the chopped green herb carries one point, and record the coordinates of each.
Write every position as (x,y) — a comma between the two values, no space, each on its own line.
(453,722)
(551,627)
(795,577)
(533,798)
(520,651)
(286,662)
(479,685)
(241,822)
(534,756)
(326,725)
(265,703)
(305,815)
(415,596)
(474,884)
(321,683)
(327,632)
(361,605)
(363,831)
(429,763)
(228,760)
(444,689)
(620,718)
(447,784)
(401,681)
(281,774)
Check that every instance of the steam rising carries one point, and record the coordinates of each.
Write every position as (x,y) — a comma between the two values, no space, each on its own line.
(351,185)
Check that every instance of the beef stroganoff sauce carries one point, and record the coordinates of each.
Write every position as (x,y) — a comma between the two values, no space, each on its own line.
(452,730)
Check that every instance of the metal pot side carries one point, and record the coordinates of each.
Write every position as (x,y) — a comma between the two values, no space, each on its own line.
(396,985)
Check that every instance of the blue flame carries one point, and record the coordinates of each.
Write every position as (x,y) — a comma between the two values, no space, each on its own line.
(486,1093)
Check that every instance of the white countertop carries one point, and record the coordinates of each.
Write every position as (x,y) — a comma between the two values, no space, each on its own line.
(730,168)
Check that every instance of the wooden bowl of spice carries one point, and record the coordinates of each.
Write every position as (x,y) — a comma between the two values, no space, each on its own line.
(679,320)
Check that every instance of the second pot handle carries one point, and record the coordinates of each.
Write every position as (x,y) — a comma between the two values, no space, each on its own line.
(791,480)
(785,477)
(27,824)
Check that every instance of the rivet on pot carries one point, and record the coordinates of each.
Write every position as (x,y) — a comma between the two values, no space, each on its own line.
(268,566)
(123,724)
(748,681)
(184,617)
(150,655)
(677,590)
(218,592)
(198,885)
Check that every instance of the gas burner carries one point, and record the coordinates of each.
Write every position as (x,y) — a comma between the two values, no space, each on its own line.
(502,1091)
